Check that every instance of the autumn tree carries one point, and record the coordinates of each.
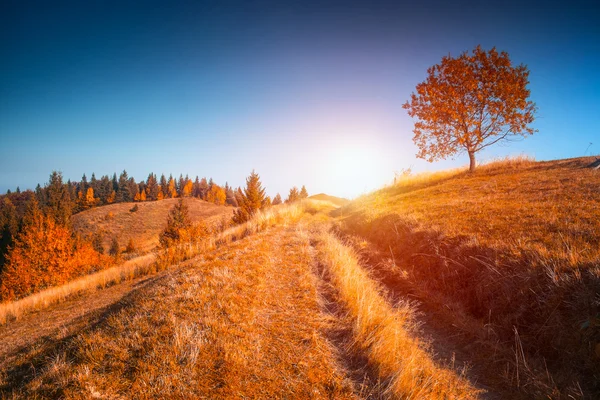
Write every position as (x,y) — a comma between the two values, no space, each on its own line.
(276,200)
(250,200)
(216,195)
(172,188)
(45,254)
(178,221)
(470,102)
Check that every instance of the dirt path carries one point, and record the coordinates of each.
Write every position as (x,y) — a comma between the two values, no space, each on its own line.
(62,319)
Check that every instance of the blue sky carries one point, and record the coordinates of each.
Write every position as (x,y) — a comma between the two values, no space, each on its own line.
(305,93)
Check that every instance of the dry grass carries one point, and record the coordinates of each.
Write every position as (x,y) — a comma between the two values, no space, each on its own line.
(382,333)
(144,225)
(242,321)
(515,247)
(130,269)
(158,261)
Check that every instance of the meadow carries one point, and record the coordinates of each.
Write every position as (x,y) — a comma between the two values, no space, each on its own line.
(452,285)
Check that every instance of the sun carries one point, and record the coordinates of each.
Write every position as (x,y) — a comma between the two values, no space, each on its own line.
(355,169)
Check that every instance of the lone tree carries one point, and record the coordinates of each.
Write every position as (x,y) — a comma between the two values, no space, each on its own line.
(178,221)
(470,102)
(250,200)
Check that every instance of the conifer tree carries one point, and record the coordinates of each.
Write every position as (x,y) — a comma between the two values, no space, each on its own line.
(203,188)
(9,226)
(164,186)
(303,192)
(152,187)
(178,220)
(251,200)
(196,188)
(59,204)
(123,194)
(230,198)
(276,200)
(293,196)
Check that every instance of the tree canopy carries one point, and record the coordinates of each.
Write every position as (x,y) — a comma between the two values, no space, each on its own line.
(470,102)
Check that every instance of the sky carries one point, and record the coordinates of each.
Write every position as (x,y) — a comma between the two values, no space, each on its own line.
(305,93)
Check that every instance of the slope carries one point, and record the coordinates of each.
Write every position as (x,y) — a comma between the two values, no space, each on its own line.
(144,225)
(507,259)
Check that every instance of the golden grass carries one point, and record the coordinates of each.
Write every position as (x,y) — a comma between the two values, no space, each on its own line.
(130,269)
(158,261)
(242,321)
(144,225)
(382,333)
(514,245)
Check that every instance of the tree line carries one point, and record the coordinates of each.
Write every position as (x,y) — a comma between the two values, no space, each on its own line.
(39,249)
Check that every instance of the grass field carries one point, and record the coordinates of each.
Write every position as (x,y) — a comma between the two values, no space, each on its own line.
(443,286)
(511,251)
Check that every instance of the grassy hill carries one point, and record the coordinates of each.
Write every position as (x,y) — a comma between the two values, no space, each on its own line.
(443,286)
(338,201)
(509,254)
(143,225)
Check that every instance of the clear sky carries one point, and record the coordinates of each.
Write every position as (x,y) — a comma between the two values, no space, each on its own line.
(303,92)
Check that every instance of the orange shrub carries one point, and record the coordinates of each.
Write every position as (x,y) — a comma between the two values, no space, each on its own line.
(45,254)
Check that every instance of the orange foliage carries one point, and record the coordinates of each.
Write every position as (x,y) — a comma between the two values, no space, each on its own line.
(216,195)
(45,254)
(470,102)
(187,189)
(111,197)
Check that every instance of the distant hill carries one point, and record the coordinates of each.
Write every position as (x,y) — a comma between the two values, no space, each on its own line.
(338,201)
(143,225)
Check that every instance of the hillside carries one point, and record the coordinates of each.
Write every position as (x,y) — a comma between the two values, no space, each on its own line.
(444,286)
(509,254)
(143,225)
(338,201)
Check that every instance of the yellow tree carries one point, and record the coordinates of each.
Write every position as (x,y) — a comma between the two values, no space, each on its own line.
(111,197)
(172,188)
(470,102)
(89,197)
(216,195)
(143,196)
(187,188)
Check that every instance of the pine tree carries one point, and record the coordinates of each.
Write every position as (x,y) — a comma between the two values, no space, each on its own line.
(59,204)
(293,196)
(9,226)
(152,187)
(230,196)
(252,199)
(303,192)
(177,221)
(276,200)
(203,188)
(164,187)
(115,249)
(123,194)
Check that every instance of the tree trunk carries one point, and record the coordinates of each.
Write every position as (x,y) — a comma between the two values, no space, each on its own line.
(472,162)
